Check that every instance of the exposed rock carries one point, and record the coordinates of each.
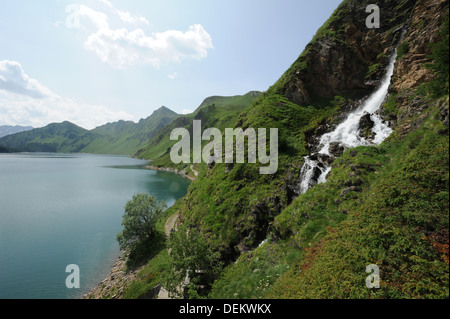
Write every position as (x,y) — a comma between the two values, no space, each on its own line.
(350,189)
(113,286)
(353,182)
(325,159)
(337,61)
(366,125)
(410,70)
(316,174)
(336,149)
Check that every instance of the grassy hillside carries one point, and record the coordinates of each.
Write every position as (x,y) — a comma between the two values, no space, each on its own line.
(57,137)
(385,205)
(215,111)
(233,204)
(128,137)
(397,218)
(123,138)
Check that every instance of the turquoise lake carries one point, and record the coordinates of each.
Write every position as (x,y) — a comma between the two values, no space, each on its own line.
(63,209)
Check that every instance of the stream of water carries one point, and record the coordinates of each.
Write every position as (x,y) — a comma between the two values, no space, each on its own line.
(348,133)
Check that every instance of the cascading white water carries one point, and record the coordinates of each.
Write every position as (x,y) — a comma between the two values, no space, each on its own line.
(348,132)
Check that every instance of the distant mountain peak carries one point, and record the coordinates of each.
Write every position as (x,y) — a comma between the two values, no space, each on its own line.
(254,93)
(165,110)
(65,124)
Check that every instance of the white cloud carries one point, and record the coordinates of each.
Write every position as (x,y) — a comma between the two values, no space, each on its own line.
(14,79)
(122,48)
(173,75)
(99,19)
(25,101)
(186,111)
(125,16)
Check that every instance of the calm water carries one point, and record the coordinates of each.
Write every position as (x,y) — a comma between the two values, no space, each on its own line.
(62,209)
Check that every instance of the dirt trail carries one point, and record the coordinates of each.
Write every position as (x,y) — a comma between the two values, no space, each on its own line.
(170,224)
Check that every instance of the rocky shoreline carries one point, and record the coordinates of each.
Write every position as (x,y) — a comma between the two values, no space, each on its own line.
(119,278)
(113,286)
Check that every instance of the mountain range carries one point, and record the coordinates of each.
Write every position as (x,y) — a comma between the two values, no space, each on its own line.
(8,130)
(122,137)
(382,207)
(148,138)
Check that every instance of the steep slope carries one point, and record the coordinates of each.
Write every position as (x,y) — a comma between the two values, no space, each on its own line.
(235,204)
(386,206)
(127,137)
(215,111)
(314,245)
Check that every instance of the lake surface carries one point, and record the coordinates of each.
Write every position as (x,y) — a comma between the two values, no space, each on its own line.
(63,209)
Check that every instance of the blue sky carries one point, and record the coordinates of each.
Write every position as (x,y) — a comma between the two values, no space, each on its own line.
(98,61)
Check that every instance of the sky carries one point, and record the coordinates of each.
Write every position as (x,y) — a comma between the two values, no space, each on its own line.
(92,62)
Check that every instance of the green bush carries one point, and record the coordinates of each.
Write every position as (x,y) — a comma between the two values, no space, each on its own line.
(139,220)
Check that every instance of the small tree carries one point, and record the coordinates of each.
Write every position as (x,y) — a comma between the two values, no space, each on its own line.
(190,256)
(139,219)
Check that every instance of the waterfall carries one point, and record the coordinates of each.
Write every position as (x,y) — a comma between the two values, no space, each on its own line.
(348,135)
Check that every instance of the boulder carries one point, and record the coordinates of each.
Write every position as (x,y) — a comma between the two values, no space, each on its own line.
(366,125)
(336,149)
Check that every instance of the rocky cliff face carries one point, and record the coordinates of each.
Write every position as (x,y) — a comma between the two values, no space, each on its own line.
(338,59)
(411,69)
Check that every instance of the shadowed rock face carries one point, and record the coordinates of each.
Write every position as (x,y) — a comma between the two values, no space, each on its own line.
(336,149)
(337,62)
(365,127)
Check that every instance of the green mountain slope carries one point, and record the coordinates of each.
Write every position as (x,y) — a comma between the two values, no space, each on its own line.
(385,205)
(123,138)
(127,137)
(56,137)
(235,204)
(215,111)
